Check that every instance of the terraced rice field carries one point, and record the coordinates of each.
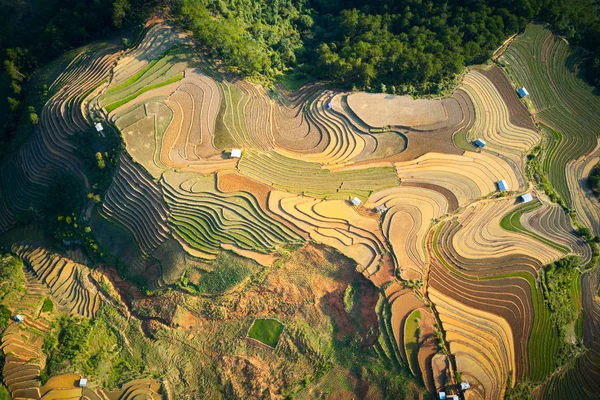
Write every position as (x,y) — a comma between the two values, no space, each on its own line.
(544,64)
(68,282)
(450,252)
(309,179)
(335,223)
(584,200)
(482,345)
(206,218)
(499,118)
(49,153)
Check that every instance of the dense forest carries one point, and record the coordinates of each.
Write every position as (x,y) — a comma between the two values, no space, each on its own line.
(408,46)
(34,32)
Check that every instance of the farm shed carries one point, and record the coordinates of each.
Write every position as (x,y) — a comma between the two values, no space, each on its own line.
(465,385)
(523,92)
(82,382)
(502,185)
(99,127)
(356,202)
(480,143)
(442,395)
(236,153)
(525,198)
(18,318)
(329,106)
(381,208)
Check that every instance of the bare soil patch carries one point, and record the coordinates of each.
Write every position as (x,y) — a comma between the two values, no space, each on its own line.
(380,109)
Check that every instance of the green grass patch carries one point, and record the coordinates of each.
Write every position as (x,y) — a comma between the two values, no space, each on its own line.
(135,77)
(266,331)
(228,272)
(47,306)
(462,141)
(126,100)
(293,81)
(411,337)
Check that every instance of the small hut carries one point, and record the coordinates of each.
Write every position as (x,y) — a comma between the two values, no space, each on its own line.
(236,153)
(502,185)
(526,198)
(19,318)
(356,201)
(82,382)
(381,208)
(480,143)
(99,127)
(523,92)
(329,106)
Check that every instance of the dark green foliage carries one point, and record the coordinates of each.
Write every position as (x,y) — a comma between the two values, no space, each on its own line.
(65,342)
(252,37)
(594,180)
(4,317)
(11,275)
(521,391)
(388,46)
(558,282)
(558,279)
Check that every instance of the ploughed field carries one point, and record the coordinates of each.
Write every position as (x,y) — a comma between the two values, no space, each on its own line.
(392,183)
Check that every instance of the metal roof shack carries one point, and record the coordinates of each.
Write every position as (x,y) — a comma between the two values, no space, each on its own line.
(526,198)
(82,382)
(236,153)
(99,127)
(19,318)
(329,106)
(442,395)
(480,143)
(381,208)
(523,92)
(502,185)
(356,201)
(465,385)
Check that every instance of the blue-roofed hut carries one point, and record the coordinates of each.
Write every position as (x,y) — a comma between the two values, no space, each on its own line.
(480,143)
(523,92)
(502,185)
(329,106)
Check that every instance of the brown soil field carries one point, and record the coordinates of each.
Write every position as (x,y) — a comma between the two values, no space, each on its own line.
(436,137)
(380,109)
(403,303)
